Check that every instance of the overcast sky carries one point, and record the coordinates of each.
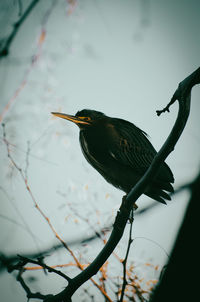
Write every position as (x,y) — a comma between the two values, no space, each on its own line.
(124,58)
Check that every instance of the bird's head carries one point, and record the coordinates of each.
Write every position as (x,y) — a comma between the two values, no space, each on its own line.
(83,118)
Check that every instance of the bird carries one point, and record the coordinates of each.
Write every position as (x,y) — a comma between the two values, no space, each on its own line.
(121,152)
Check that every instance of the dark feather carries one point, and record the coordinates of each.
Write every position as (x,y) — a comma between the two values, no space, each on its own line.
(122,153)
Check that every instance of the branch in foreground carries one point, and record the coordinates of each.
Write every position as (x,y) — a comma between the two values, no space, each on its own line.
(183,266)
(183,95)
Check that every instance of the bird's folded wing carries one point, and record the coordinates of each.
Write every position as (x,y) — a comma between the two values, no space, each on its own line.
(131,147)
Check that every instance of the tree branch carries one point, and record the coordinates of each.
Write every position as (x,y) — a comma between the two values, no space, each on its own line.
(24,260)
(183,95)
(5,50)
(130,240)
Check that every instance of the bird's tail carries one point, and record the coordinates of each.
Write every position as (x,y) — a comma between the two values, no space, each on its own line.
(158,189)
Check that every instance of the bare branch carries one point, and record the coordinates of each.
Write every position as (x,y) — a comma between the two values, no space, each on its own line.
(40,262)
(5,50)
(34,59)
(126,257)
(29,294)
(183,95)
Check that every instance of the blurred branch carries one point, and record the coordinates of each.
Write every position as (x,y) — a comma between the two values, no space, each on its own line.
(35,57)
(6,47)
(27,160)
(183,264)
(20,8)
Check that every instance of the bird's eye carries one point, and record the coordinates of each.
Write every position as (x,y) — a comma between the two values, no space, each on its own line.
(87,118)
(84,118)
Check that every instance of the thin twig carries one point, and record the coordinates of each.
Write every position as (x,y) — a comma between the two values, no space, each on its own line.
(40,262)
(130,240)
(29,294)
(39,267)
(27,160)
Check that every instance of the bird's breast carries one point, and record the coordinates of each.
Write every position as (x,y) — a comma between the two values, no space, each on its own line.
(84,144)
(93,148)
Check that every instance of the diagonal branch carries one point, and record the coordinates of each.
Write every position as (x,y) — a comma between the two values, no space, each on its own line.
(5,50)
(183,95)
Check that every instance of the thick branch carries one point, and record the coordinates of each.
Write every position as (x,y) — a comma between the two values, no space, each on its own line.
(183,95)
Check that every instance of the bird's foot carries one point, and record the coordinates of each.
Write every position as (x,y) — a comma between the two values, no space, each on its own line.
(135,206)
(131,216)
(124,198)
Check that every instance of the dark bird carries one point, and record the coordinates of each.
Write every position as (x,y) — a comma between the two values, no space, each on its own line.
(120,152)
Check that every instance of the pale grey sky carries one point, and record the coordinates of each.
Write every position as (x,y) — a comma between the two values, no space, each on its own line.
(124,58)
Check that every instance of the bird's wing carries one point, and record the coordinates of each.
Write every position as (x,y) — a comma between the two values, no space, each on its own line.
(130,146)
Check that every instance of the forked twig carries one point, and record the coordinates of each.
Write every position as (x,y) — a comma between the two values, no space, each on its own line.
(40,262)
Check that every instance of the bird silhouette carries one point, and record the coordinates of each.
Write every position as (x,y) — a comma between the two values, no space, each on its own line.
(120,152)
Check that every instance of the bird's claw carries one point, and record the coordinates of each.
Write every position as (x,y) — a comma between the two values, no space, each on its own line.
(135,206)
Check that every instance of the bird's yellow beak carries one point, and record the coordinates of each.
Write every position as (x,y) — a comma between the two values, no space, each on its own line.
(72,118)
